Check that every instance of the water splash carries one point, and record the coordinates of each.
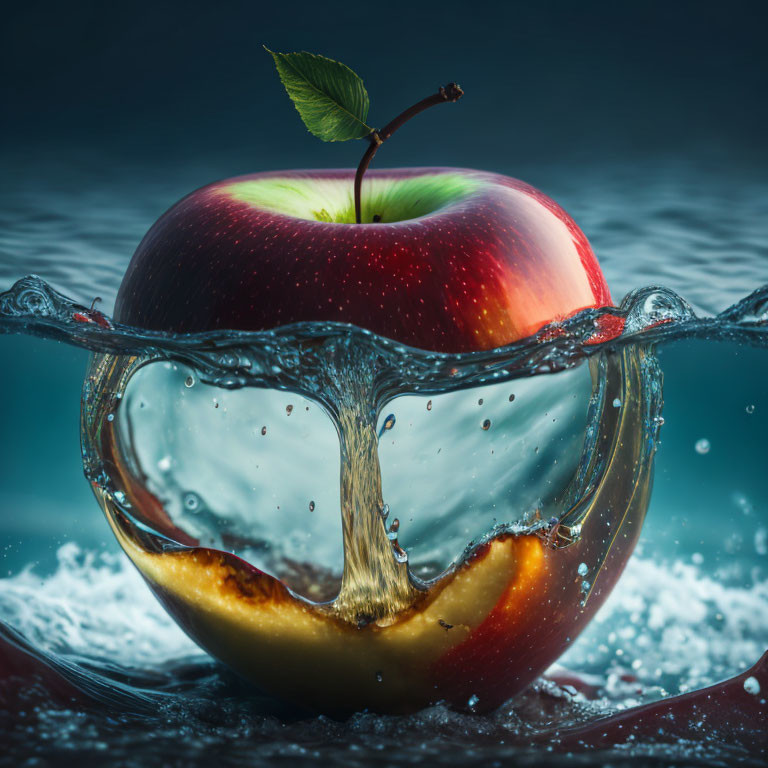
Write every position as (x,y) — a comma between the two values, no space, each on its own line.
(232,359)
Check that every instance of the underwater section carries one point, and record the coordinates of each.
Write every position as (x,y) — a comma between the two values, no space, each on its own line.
(166,418)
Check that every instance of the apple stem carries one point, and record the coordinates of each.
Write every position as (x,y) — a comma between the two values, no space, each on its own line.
(450,92)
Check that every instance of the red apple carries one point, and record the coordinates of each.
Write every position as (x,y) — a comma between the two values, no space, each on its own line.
(460,260)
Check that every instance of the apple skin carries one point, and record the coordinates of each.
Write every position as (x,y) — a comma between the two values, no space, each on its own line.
(477,273)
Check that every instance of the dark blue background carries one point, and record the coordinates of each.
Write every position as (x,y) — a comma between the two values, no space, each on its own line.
(545,81)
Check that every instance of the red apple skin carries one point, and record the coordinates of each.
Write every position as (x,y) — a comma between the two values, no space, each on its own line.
(476,274)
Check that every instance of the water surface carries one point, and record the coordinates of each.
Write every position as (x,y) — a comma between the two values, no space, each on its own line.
(691,609)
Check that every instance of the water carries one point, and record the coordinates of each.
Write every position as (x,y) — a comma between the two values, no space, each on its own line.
(81,610)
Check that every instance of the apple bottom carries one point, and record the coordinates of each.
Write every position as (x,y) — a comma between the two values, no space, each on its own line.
(474,638)
(494,626)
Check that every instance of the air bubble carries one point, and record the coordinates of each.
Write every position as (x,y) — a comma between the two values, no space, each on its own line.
(288,410)
(311,506)
(702,446)
(473,701)
(119,497)
(480,401)
(429,405)
(189,382)
(512,398)
(263,430)
(379,677)
(585,585)
(111,417)
(191,501)
(583,569)
(752,685)
(389,422)
(486,424)
(616,402)
(750,408)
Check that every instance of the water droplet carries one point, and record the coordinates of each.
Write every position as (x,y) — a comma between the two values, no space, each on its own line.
(311,506)
(189,382)
(263,430)
(697,558)
(702,446)
(511,398)
(750,408)
(288,410)
(616,402)
(761,541)
(583,569)
(191,501)
(111,417)
(752,685)
(480,401)
(486,424)
(474,700)
(389,422)
(429,405)
(164,464)
(576,532)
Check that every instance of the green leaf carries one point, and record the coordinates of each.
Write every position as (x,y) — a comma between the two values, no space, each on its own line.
(330,98)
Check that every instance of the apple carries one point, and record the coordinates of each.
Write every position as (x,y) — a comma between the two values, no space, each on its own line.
(458,260)
(448,260)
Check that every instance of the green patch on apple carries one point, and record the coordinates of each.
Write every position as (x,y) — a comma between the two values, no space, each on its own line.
(386,200)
